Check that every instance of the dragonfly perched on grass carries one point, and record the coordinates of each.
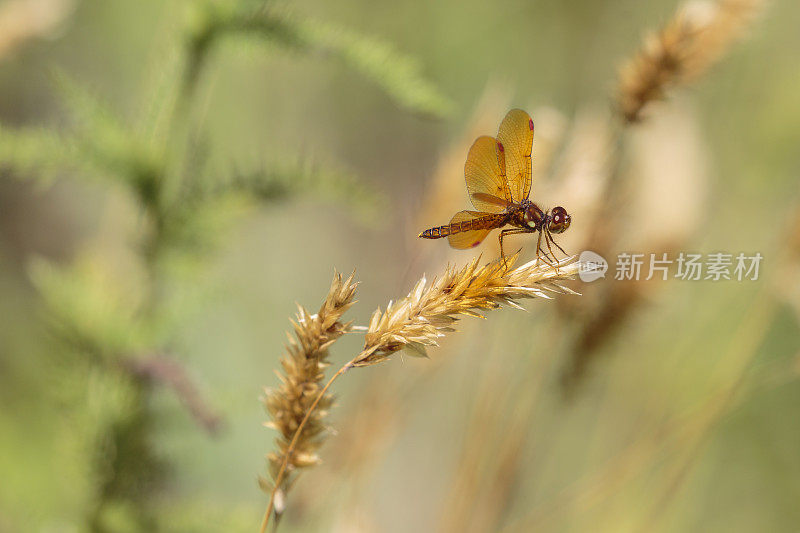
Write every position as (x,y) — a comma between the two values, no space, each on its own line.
(498,175)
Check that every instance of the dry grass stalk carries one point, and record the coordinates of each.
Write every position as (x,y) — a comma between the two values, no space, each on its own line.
(677,437)
(492,454)
(430,310)
(303,366)
(666,179)
(696,37)
(363,437)
(414,323)
(729,20)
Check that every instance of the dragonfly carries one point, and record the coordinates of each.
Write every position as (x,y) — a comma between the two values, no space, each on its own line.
(498,176)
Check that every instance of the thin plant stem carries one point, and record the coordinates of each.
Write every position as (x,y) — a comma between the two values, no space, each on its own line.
(293,443)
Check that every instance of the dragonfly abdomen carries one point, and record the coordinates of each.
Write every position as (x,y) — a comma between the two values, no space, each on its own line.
(479,223)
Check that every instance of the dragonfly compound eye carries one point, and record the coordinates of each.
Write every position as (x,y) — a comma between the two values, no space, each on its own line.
(559,220)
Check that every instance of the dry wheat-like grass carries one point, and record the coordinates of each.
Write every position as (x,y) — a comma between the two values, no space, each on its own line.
(303,366)
(430,310)
(415,322)
(697,36)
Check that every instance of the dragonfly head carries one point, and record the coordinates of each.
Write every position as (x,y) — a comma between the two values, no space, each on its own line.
(558,220)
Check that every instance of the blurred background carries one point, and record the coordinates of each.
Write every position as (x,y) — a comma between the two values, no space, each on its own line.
(175,176)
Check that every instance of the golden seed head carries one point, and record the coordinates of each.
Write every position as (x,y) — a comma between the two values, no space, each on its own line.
(303,370)
(430,310)
(696,37)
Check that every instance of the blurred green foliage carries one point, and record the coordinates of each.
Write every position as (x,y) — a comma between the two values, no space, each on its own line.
(112,324)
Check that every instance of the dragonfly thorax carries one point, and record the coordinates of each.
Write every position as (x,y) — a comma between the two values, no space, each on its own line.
(532,216)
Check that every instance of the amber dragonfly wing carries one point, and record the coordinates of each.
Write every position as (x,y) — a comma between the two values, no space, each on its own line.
(516,137)
(485,173)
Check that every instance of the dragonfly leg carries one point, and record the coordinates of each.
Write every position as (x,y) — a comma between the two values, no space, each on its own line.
(505,232)
(539,251)
(548,239)
(556,244)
